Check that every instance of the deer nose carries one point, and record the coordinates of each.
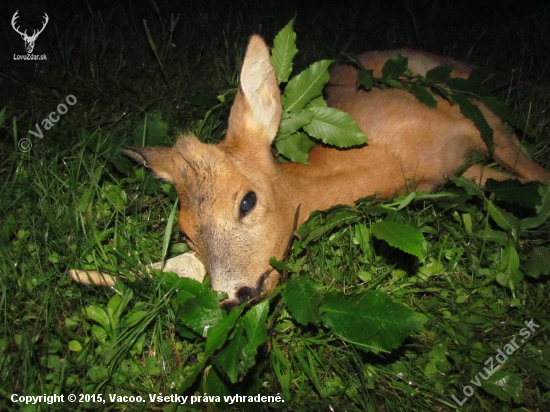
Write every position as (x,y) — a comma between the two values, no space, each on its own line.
(244,294)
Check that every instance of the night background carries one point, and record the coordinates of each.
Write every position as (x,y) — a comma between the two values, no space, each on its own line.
(70,200)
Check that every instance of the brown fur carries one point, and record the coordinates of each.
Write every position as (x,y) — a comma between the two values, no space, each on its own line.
(410,147)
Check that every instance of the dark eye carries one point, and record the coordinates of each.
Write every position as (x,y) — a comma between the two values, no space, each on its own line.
(247,204)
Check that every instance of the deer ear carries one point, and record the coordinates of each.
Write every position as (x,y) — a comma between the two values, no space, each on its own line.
(158,159)
(256,113)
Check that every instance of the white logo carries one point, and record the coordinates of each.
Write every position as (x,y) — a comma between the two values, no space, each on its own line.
(29,40)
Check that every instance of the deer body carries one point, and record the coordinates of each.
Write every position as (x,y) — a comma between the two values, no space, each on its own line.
(238,202)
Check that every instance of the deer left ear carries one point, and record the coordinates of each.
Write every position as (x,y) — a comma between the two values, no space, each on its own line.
(256,113)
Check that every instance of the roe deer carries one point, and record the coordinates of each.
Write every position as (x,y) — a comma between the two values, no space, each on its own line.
(238,203)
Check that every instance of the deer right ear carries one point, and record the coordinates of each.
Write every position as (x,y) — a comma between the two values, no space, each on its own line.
(158,159)
(256,113)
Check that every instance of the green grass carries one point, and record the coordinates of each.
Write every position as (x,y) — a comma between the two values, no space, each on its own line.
(72,202)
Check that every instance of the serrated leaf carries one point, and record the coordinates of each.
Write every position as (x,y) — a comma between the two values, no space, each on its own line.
(443,92)
(230,355)
(505,220)
(423,95)
(295,147)
(472,112)
(201,312)
(400,235)
(507,114)
(467,86)
(396,66)
(283,52)
(217,335)
(439,74)
(538,262)
(543,211)
(369,319)
(305,86)
(317,102)
(239,355)
(335,127)
(514,191)
(471,187)
(365,79)
(254,323)
(302,299)
(504,385)
(292,122)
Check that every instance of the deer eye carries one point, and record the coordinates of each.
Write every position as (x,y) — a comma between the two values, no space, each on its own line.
(247,204)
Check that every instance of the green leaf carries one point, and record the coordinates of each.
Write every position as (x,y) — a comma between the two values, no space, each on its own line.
(283,52)
(133,319)
(505,385)
(505,220)
(320,223)
(217,335)
(292,122)
(467,86)
(543,211)
(472,112)
(116,195)
(316,102)
(514,191)
(510,267)
(439,74)
(302,299)
(362,236)
(396,66)
(365,79)
(98,315)
(538,262)
(254,323)
(355,59)
(151,131)
(295,147)
(335,127)
(506,114)
(305,86)
(75,346)
(229,357)
(423,95)
(98,373)
(400,235)
(369,319)
(201,312)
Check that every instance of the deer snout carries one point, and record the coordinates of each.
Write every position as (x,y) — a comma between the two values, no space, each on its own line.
(243,294)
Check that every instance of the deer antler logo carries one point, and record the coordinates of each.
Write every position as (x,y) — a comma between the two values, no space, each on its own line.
(29,40)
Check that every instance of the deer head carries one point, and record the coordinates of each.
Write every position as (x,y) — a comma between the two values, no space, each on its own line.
(29,40)
(234,205)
